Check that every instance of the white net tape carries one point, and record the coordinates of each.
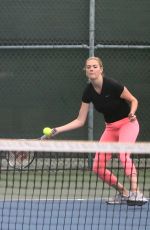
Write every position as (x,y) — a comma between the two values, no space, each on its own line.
(71,154)
(72,146)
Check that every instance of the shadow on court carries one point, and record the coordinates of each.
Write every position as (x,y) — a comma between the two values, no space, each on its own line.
(73,215)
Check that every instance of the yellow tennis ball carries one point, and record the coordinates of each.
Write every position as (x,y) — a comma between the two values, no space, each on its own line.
(47,131)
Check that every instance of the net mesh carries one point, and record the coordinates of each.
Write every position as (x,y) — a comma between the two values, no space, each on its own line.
(59,190)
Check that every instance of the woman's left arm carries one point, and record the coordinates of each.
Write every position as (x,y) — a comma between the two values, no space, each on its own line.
(133,103)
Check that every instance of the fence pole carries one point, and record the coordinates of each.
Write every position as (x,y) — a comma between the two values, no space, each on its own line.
(91,53)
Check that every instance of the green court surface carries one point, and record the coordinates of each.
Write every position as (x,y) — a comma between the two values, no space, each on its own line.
(67,184)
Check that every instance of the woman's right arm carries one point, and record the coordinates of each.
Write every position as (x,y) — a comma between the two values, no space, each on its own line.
(78,122)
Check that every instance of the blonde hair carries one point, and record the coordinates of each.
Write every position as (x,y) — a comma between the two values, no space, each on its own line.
(99,60)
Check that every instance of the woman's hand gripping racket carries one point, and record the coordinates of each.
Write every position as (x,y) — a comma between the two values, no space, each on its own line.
(23,159)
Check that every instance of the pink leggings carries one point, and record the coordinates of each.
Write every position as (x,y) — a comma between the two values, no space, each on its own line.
(119,131)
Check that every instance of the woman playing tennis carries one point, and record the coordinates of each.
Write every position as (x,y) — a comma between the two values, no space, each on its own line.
(118,107)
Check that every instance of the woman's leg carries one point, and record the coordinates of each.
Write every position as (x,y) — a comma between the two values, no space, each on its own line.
(128,133)
(101,159)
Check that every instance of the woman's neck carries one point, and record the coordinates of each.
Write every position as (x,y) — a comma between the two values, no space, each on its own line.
(97,84)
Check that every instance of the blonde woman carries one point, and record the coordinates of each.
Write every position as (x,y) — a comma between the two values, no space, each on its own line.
(118,107)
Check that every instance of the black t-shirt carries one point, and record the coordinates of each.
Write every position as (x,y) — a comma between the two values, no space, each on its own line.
(108,102)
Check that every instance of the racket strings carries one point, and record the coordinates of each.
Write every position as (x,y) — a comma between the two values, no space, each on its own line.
(20,159)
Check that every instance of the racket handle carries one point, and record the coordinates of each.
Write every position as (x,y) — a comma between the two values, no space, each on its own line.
(44,137)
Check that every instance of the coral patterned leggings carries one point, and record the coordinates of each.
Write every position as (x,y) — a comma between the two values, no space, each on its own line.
(120,131)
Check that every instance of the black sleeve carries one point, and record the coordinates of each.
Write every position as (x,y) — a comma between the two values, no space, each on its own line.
(86,97)
(118,87)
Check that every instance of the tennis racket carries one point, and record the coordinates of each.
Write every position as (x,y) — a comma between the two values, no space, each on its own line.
(21,159)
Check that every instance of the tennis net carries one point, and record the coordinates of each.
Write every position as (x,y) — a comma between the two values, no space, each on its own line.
(59,190)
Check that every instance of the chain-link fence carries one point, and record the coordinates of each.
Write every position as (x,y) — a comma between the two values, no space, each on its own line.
(43,46)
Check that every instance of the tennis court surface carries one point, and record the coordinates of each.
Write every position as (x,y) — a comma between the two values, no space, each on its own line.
(59,190)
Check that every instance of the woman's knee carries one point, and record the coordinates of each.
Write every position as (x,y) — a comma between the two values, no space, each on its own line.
(99,169)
